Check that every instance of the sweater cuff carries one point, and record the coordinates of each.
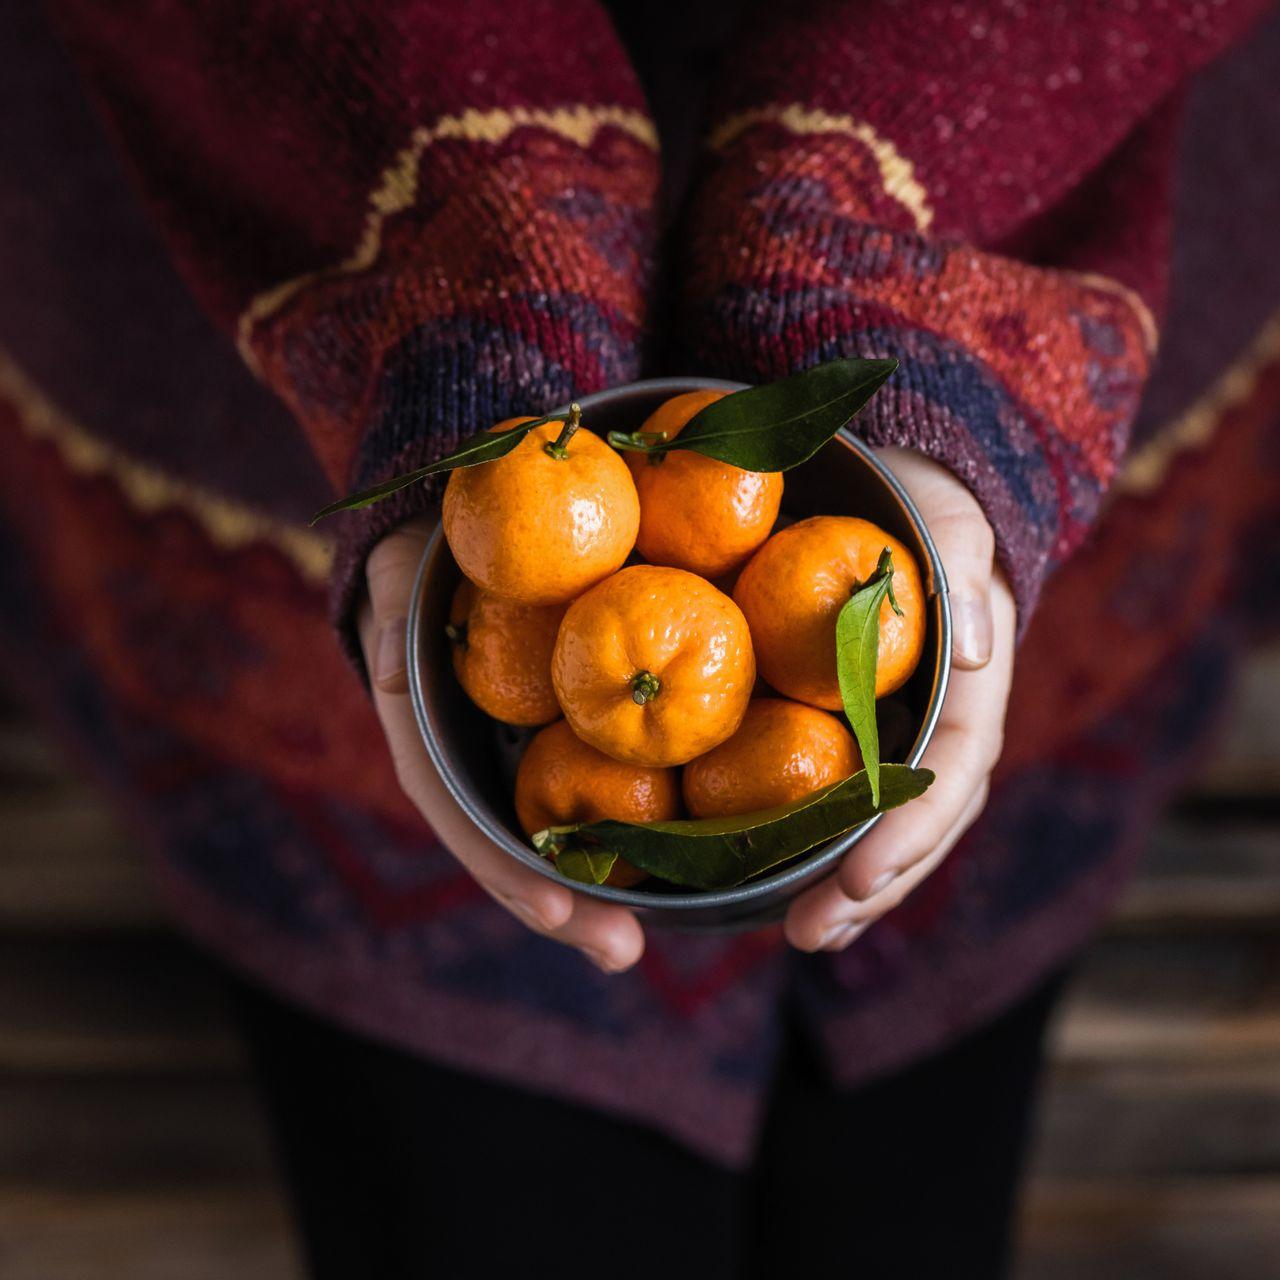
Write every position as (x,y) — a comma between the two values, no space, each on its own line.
(1020,380)
(362,531)
(440,387)
(514,282)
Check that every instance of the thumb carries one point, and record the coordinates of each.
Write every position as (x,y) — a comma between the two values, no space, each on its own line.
(389,575)
(966,546)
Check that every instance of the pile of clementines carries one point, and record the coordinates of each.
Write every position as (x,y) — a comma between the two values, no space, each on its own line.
(679,651)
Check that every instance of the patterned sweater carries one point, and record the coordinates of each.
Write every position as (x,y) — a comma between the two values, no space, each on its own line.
(419,217)
(415,218)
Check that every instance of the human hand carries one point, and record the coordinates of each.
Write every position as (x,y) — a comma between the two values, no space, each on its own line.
(908,844)
(610,937)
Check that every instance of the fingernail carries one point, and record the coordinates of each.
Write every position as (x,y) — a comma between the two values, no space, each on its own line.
(520,908)
(971,630)
(881,882)
(840,936)
(602,961)
(388,652)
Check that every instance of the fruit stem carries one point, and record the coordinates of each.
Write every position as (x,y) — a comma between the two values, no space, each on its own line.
(883,569)
(649,442)
(884,566)
(457,634)
(644,687)
(559,447)
(550,841)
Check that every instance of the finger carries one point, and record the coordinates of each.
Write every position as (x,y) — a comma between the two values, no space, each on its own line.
(966,546)
(389,575)
(609,936)
(849,924)
(962,752)
(840,935)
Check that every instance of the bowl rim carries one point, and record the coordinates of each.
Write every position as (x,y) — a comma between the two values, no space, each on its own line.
(806,868)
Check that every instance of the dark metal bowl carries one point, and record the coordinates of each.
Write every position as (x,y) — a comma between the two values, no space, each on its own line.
(477,758)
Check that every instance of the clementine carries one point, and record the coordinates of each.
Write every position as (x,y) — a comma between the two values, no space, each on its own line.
(502,654)
(562,780)
(697,513)
(794,587)
(653,666)
(542,524)
(782,751)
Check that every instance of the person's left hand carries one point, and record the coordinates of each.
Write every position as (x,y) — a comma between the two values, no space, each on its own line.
(908,844)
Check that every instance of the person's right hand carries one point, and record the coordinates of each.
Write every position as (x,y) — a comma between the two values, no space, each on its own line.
(610,937)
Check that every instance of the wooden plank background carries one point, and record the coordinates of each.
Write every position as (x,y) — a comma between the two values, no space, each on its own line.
(132,1148)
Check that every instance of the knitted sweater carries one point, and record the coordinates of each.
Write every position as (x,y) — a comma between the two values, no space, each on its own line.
(414,219)
(439,215)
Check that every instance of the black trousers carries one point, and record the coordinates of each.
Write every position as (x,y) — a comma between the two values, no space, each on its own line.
(400,1168)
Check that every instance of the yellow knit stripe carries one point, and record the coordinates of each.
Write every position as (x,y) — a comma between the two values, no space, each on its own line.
(232,525)
(897,177)
(1145,469)
(1146,321)
(398,187)
(228,524)
(897,174)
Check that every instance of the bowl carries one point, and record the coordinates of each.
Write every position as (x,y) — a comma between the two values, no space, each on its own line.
(477,757)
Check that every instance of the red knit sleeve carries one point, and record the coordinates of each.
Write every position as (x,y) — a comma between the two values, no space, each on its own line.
(414,217)
(977,188)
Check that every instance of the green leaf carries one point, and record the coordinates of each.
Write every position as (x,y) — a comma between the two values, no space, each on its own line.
(589,866)
(779,426)
(484,446)
(718,853)
(769,428)
(857,650)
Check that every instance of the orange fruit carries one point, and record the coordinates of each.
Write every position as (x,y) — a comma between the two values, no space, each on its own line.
(782,751)
(653,666)
(562,780)
(794,587)
(538,527)
(697,513)
(502,654)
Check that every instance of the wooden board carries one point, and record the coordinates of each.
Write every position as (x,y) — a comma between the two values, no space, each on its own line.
(132,1130)
(214,1233)
(1205,876)
(1177,1229)
(66,866)
(1174,1000)
(1246,756)
(1160,1119)
(111,1004)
